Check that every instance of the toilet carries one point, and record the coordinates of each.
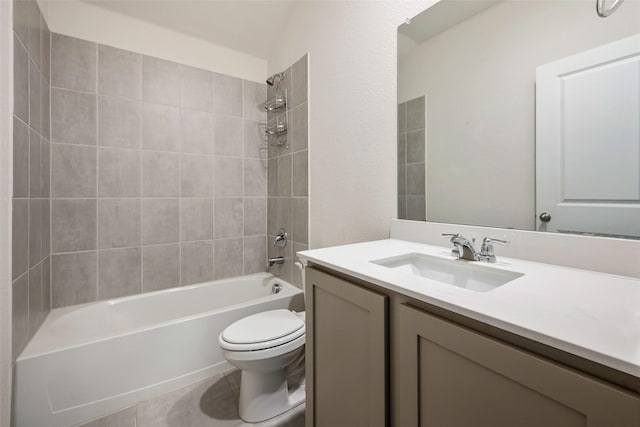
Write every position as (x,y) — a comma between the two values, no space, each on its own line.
(263,346)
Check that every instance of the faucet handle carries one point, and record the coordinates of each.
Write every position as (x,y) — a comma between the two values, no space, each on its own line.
(486,250)
(490,240)
(452,235)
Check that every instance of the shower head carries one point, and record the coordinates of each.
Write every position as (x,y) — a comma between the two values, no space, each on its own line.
(275,78)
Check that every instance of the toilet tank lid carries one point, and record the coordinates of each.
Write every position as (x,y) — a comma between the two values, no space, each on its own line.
(266,326)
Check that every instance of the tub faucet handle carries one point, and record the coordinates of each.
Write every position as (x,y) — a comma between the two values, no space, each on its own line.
(281,239)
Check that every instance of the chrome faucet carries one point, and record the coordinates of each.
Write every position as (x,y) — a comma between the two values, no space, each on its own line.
(462,247)
(486,250)
(276,260)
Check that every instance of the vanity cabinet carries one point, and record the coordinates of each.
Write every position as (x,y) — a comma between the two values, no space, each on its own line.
(439,372)
(346,353)
(453,376)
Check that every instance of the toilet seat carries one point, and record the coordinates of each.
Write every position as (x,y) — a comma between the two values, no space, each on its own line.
(262,331)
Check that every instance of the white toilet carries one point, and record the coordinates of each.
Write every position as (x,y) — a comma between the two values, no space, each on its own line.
(263,345)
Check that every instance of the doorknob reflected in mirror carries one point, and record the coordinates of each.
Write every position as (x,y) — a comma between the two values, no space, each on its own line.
(545,217)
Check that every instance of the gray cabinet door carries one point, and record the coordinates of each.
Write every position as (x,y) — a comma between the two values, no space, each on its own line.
(346,353)
(455,377)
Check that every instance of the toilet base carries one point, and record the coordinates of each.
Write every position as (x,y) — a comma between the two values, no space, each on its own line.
(266,395)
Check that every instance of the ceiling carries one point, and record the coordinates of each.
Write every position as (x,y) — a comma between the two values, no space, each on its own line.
(249,26)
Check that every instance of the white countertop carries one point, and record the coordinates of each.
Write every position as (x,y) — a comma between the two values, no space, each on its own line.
(592,315)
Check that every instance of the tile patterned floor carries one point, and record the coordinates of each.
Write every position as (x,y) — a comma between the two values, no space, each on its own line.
(209,403)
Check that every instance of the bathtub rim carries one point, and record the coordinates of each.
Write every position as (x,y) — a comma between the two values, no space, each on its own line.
(54,314)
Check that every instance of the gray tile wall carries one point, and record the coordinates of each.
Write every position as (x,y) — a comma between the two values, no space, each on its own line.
(288,202)
(158,178)
(31,154)
(411,160)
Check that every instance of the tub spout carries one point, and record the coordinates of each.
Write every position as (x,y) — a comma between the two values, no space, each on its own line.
(276,260)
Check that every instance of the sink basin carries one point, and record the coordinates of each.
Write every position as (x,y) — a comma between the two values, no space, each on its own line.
(460,273)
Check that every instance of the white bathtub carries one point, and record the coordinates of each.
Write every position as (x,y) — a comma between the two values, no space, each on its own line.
(88,360)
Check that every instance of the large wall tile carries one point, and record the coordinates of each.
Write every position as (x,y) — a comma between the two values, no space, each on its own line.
(160,127)
(416,208)
(73,225)
(74,278)
(228,258)
(299,132)
(20,314)
(415,114)
(229,218)
(118,223)
(300,174)
(119,72)
(160,81)
(415,146)
(227,99)
(46,286)
(45,169)
(255,178)
(120,272)
(254,95)
(402,118)
(73,171)
(35,163)
(160,221)
(255,216)
(284,213)
(196,219)
(34,32)
(228,136)
(20,79)
(20,158)
(73,117)
(272,216)
(228,177)
(197,132)
(153,164)
(35,231)
(300,220)
(415,179)
(299,83)
(272,177)
(35,98)
(160,174)
(119,122)
(45,205)
(118,173)
(21,19)
(196,178)
(73,63)
(46,50)
(45,104)
(196,89)
(197,262)
(255,143)
(20,238)
(255,254)
(284,176)
(35,298)
(161,267)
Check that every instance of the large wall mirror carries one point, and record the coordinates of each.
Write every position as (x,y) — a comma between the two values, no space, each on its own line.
(521,114)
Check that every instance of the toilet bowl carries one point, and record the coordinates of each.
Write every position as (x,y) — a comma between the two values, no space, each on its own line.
(263,346)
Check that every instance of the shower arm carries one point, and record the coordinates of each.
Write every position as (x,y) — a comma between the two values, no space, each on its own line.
(604,11)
